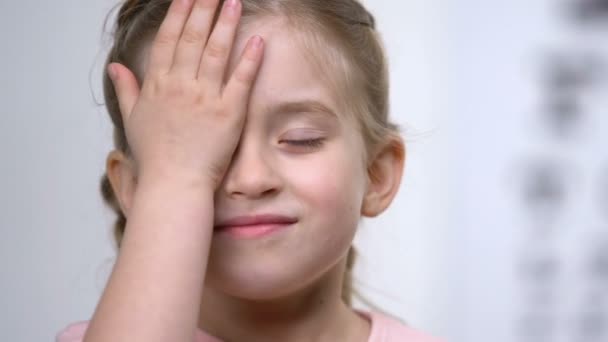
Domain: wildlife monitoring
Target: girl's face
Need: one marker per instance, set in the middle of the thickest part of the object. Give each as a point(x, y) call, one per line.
point(320, 183)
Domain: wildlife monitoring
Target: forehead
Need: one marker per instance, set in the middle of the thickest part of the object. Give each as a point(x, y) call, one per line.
point(286, 72)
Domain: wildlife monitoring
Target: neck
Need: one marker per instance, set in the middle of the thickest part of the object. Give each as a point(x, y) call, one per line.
point(315, 313)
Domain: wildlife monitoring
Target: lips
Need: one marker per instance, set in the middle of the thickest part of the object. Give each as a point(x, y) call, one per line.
point(256, 220)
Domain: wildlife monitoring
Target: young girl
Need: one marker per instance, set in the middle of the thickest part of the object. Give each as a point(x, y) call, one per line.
point(251, 137)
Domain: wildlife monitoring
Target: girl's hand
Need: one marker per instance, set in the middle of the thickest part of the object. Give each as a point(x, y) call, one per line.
point(183, 122)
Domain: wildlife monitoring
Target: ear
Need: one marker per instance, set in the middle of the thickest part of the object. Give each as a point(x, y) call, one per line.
point(384, 177)
point(121, 173)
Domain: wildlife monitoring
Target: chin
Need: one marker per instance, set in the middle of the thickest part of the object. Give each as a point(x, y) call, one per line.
point(253, 285)
point(261, 282)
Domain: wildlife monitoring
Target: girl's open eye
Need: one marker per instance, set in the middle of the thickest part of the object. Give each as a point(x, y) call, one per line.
point(309, 143)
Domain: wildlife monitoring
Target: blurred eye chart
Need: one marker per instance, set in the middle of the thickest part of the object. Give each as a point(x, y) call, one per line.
point(530, 108)
point(561, 263)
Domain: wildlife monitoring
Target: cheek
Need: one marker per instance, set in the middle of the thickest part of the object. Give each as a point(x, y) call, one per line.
point(330, 187)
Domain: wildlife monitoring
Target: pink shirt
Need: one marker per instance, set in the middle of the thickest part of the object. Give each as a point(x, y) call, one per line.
point(383, 329)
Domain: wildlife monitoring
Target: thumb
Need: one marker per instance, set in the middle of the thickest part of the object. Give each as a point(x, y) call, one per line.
point(125, 86)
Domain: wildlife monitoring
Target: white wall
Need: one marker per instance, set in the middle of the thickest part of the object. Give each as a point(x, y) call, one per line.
point(523, 241)
point(53, 139)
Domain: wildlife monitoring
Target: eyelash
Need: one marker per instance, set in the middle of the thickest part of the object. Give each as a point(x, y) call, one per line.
point(309, 143)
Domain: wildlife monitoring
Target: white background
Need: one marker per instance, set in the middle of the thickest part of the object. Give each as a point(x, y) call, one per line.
point(465, 85)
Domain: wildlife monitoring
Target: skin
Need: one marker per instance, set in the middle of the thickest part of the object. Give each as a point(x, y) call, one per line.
point(284, 286)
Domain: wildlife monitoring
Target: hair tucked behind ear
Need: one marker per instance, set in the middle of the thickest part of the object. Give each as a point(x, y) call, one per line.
point(341, 37)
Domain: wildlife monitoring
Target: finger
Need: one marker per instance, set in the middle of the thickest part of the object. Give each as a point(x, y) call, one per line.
point(239, 85)
point(165, 41)
point(215, 57)
point(125, 87)
point(190, 46)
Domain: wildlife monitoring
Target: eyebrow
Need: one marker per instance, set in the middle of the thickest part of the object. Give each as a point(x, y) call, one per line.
point(306, 106)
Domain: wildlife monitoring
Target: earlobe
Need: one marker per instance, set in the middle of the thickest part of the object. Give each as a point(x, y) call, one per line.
point(121, 173)
point(384, 174)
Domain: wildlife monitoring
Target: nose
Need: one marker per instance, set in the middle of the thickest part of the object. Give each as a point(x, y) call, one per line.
point(251, 174)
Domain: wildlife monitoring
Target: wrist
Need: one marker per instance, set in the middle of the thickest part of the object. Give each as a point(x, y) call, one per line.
point(176, 187)
point(180, 179)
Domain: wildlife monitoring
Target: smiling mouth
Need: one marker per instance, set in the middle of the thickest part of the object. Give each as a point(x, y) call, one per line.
point(252, 230)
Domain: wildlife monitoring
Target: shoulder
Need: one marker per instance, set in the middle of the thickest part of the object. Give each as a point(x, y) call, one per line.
point(74, 332)
point(385, 328)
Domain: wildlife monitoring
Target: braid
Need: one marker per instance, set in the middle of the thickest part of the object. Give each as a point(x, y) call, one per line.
point(111, 201)
point(347, 283)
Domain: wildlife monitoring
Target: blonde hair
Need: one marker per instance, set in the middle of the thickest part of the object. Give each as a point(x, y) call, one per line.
point(340, 35)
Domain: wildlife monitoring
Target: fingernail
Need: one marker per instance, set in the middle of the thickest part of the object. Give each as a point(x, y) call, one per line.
point(231, 4)
point(112, 72)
